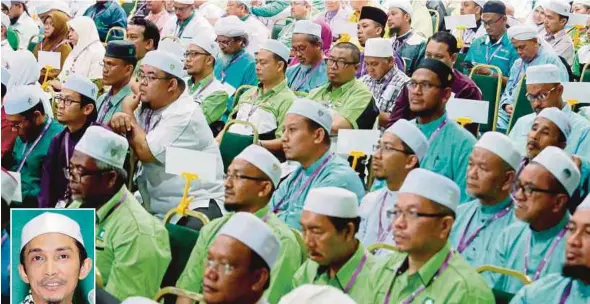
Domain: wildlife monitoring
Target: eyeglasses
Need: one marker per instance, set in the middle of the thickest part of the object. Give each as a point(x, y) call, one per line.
point(193, 54)
point(490, 23)
point(541, 96)
point(75, 174)
point(17, 125)
point(59, 99)
point(299, 49)
point(108, 65)
point(227, 268)
point(529, 190)
point(425, 85)
point(412, 214)
point(234, 176)
point(338, 63)
point(141, 78)
point(225, 42)
point(388, 149)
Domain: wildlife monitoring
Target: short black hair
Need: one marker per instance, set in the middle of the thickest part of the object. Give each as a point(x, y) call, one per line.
point(341, 223)
point(446, 38)
point(86, 101)
point(409, 151)
point(150, 29)
point(81, 254)
point(312, 125)
point(28, 114)
point(256, 262)
point(356, 53)
point(280, 59)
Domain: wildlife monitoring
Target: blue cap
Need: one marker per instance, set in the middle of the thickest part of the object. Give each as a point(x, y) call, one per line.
point(82, 86)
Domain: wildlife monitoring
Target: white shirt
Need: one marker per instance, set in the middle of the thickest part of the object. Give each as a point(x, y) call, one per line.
point(197, 26)
point(26, 28)
point(6, 52)
point(373, 211)
point(340, 24)
point(257, 34)
point(181, 124)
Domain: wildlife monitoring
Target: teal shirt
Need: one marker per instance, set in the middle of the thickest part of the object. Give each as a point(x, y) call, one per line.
point(238, 71)
point(270, 8)
point(32, 168)
point(501, 54)
point(510, 250)
point(336, 173)
point(475, 215)
point(107, 110)
point(549, 290)
point(306, 78)
point(107, 16)
point(448, 153)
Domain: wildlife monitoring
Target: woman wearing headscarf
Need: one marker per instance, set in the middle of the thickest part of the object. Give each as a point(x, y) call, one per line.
point(55, 40)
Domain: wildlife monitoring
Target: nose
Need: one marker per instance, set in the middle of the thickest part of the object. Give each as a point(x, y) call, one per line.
point(573, 239)
point(398, 223)
point(211, 273)
point(50, 268)
point(472, 172)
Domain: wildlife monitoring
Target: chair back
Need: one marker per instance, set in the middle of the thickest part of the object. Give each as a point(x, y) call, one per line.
point(491, 89)
point(522, 106)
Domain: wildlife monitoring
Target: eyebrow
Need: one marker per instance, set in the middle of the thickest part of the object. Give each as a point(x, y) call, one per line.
point(60, 249)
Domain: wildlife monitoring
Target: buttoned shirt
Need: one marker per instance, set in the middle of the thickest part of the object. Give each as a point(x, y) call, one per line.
point(387, 90)
point(562, 44)
point(107, 104)
point(551, 289)
point(375, 224)
point(211, 95)
point(305, 78)
point(500, 53)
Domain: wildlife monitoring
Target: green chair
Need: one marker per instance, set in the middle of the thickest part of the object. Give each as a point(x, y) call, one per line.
point(279, 26)
point(115, 37)
point(585, 76)
point(129, 8)
point(435, 19)
point(491, 89)
point(377, 246)
point(33, 41)
point(237, 94)
point(233, 144)
point(459, 63)
point(522, 106)
point(501, 296)
point(13, 38)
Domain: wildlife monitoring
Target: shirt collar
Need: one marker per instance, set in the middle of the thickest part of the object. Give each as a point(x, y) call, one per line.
point(279, 87)
point(430, 127)
point(245, 17)
point(201, 82)
point(123, 92)
point(388, 76)
point(342, 88)
point(317, 163)
point(567, 108)
point(486, 209)
point(502, 40)
point(262, 211)
point(550, 233)
point(428, 270)
point(347, 270)
point(103, 211)
point(556, 35)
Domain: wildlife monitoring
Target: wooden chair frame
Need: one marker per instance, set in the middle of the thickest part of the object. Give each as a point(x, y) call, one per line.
point(179, 293)
point(505, 271)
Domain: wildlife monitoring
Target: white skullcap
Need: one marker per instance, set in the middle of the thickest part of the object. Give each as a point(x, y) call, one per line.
point(584, 2)
point(316, 294)
point(522, 32)
point(561, 166)
point(481, 3)
point(191, 2)
point(173, 47)
point(502, 146)
point(559, 7)
point(207, 43)
point(5, 20)
point(585, 204)
point(5, 76)
point(82, 86)
point(111, 150)
point(404, 5)
point(230, 26)
point(277, 48)
point(9, 186)
point(544, 73)
point(559, 118)
point(312, 110)
point(7, 3)
point(50, 222)
point(22, 98)
point(138, 300)
point(263, 160)
point(378, 47)
point(435, 187)
point(332, 201)
point(411, 136)
point(165, 61)
point(307, 27)
point(254, 233)
point(46, 6)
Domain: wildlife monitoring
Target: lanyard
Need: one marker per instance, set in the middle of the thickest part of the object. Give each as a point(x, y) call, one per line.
point(28, 153)
point(414, 294)
point(488, 57)
point(435, 133)
point(355, 275)
point(105, 107)
point(463, 243)
point(310, 72)
point(148, 120)
point(566, 292)
point(258, 104)
point(53, 48)
point(229, 64)
point(381, 231)
point(545, 258)
point(202, 88)
point(307, 182)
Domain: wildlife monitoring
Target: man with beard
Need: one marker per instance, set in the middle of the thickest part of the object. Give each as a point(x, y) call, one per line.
point(251, 179)
point(22, 23)
point(573, 284)
point(258, 33)
point(132, 247)
point(406, 43)
point(186, 23)
point(311, 71)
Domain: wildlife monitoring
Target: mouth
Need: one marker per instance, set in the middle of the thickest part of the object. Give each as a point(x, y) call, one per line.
point(208, 288)
point(532, 145)
point(399, 237)
point(520, 206)
point(52, 286)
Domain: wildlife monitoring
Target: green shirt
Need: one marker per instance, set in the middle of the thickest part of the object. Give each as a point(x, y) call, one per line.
point(106, 111)
point(132, 247)
point(214, 104)
point(33, 165)
point(289, 258)
point(458, 283)
point(349, 101)
point(368, 287)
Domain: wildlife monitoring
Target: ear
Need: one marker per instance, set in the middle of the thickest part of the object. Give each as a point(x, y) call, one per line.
point(509, 178)
point(210, 60)
point(559, 89)
point(454, 57)
point(172, 85)
point(349, 233)
point(266, 190)
point(261, 276)
point(446, 225)
point(446, 96)
point(87, 109)
point(85, 269)
point(112, 180)
point(379, 31)
point(319, 135)
point(411, 162)
point(150, 44)
point(561, 202)
point(22, 273)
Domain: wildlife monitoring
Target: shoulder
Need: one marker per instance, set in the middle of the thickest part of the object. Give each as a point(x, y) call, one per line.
point(369, 201)
point(317, 91)
point(416, 39)
point(460, 135)
point(55, 127)
point(466, 207)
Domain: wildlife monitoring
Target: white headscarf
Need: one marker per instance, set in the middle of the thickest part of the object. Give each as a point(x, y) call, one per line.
point(87, 54)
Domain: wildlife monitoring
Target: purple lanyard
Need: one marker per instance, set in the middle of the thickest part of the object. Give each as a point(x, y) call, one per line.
point(545, 258)
point(229, 64)
point(463, 243)
point(307, 76)
point(307, 182)
point(148, 121)
point(356, 273)
point(105, 108)
point(382, 232)
point(5, 236)
point(435, 133)
point(67, 139)
point(411, 298)
point(26, 155)
point(566, 292)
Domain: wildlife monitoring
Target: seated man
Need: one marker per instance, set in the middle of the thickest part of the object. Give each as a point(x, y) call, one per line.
point(535, 244)
point(468, 35)
point(186, 23)
point(300, 10)
point(306, 140)
point(248, 250)
point(107, 14)
point(265, 106)
point(133, 250)
point(258, 33)
point(490, 174)
point(556, 17)
point(428, 270)
point(572, 285)
point(351, 102)
point(250, 181)
point(311, 72)
point(406, 43)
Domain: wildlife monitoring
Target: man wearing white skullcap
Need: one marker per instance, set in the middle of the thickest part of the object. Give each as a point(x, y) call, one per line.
point(206, 90)
point(572, 285)
point(25, 113)
point(330, 221)
point(167, 117)
point(556, 17)
point(581, 7)
point(45, 240)
point(257, 32)
point(532, 53)
point(266, 105)
point(535, 244)
point(251, 179)
point(407, 43)
point(400, 150)
point(300, 11)
point(187, 23)
point(491, 172)
point(422, 220)
point(475, 8)
point(22, 23)
point(306, 140)
point(316, 294)
point(97, 180)
point(247, 249)
point(385, 80)
point(311, 70)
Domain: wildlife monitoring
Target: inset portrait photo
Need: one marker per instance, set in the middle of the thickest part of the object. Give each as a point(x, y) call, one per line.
point(52, 256)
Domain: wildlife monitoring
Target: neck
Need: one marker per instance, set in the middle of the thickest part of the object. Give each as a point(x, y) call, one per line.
point(496, 37)
point(316, 154)
point(430, 117)
point(335, 267)
point(492, 201)
point(418, 259)
point(67, 300)
point(268, 85)
point(252, 207)
point(36, 131)
point(116, 87)
point(101, 200)
point(76, 125)
point(545, 223)
point(202, 75)
point(403, 30)
point(157, 10)
point(338, 85)
point(395, 182)
point(165, 103)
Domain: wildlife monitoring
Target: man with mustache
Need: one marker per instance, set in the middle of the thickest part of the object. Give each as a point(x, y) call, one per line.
point(573, 284)
point(186, 23)
point(53, 258)
point(535, 244)
point(491, 171)
point(250, 181)
point(556, 18)
point(408, 44)
point(400, 150)
point(312, 71)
